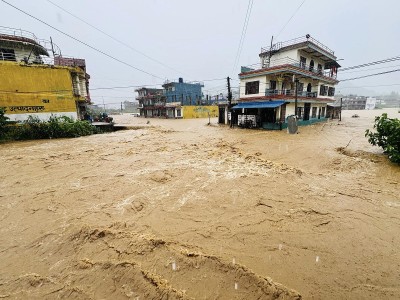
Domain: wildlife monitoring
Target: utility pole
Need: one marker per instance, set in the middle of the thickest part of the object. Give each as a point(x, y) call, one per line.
point(52, 47)
point(230, 99)
point(295, 96)
point(340, 114)
point(121, 108)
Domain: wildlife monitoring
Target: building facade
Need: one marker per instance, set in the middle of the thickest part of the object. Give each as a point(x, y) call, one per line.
point(151, 102)
point(177, 99)
point(187, 93)
point(34, 84)
point(296, 77)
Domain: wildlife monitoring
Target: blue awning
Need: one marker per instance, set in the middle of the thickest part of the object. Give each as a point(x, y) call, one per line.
point(264, 104)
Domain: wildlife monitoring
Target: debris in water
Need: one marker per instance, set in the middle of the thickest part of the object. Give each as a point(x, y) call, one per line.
point(280, 247)
point(174, 266)
point(317, 259)
point(236, 286)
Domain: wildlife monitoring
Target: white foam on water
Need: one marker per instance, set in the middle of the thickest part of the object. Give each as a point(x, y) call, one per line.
point(280, 246)
point(236, 286)
point(233, 261)
point(174, 266)
point(317, 259)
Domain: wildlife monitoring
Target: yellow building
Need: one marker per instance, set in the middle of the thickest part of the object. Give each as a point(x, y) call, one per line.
point(33, 84)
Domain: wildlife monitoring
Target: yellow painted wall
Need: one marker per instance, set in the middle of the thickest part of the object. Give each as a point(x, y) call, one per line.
point(36, 88)
point(192, 112)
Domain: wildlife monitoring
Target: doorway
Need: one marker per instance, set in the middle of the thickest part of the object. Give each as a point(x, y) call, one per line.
point(307, 107)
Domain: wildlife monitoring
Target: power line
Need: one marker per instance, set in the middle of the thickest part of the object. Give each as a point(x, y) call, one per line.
point(242, 36)
point(370, 75)
point(83, 43)
point(113, 38)
point(347, 72)
point(372, 63)
point(367, 86)
point(291, 17)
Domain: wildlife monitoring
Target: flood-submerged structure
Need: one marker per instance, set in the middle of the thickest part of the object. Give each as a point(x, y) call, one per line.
point(295, 77)
point(36, 80)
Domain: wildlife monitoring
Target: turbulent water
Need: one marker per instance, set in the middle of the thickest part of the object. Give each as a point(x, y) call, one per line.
point(178, 209)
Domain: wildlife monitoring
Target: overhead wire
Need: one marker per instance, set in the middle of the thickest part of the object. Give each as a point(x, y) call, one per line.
point(243, 34)
point(367, 70)
point(284, 26)
point(114, 39)
point(368, 86)
point(371, 63)
point(370, 75)
point(81, 42)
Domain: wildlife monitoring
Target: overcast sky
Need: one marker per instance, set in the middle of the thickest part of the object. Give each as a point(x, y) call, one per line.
point(198, 40)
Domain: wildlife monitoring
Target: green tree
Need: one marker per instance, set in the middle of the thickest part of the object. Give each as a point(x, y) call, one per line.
point(387, 136)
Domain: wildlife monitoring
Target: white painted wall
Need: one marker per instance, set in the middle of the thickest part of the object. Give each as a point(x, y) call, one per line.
point(261, 90)
point(41, 116)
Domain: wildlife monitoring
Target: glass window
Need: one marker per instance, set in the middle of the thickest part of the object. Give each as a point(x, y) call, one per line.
point(252, 87)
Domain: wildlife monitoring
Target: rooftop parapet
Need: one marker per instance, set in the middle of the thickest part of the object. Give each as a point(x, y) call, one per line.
point(297, 42)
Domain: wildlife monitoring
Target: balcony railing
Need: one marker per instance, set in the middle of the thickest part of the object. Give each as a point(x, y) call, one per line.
point(295, 63)
point(295, 41)
point(291, 93)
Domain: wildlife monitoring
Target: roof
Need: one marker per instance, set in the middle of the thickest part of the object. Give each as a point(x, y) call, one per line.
point(263, 104)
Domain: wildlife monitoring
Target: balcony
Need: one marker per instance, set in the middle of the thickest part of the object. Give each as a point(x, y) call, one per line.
point(289, 62)
point(290, 93)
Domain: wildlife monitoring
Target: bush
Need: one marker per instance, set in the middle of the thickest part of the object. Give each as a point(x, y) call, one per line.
point(3, 123)
point(56, 127)
point(387, 136)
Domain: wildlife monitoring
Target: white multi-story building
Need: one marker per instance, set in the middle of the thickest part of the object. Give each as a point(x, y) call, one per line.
point(268, 91)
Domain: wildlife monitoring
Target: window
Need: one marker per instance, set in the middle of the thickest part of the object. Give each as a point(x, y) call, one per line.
point(178, 113)
point(323, 112)
point(300, 112)
point(303, 62)
point(314, 112)
point(7, 54)
point(331, 91)
point(323, 90)
point(252, 87)
point(319, 69)
point(272, 85)
point(311, 66)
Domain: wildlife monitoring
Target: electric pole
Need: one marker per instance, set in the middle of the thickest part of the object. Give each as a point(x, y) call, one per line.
point(230, 99)
point(295, 96)
point(340, 114)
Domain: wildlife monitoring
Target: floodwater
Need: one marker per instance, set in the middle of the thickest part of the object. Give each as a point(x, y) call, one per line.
point(178, 209)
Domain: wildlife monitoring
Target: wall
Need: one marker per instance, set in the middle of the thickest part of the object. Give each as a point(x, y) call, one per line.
point(36, 89)
point(191, 93)
point(193, 112)
point(262, 86)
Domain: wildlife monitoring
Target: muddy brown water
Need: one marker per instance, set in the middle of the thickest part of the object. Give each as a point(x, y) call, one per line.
point(178, 209)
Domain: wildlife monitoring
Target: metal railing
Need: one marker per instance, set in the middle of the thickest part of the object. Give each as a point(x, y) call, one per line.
point(188, 82)
point(292, 93)
point(295, 63)
point(295, 41)
point(14, 32)
point(25, 36)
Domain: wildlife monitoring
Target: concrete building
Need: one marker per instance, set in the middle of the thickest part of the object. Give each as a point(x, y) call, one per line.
point(303, 67)
point(151, 102)
point(370, 103)
point(33, 83)
point(177, 99)
point(354, 102)
point(187, 93)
